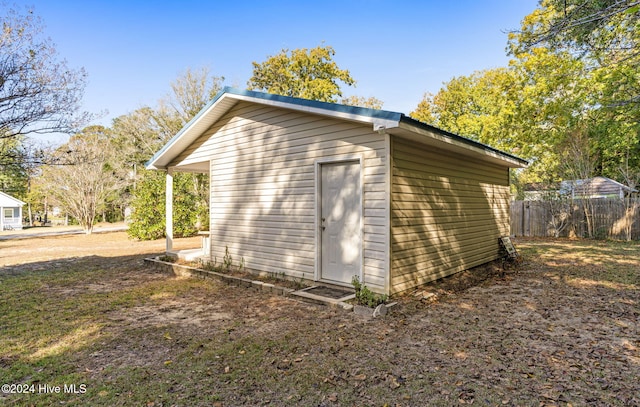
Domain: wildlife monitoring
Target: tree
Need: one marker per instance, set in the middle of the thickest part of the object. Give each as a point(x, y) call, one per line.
point(147, 221)
point(560, 209)
point(140, 134)
point(601, 91)
point(551, 98)
point(528, 108)
point(20, 165)
point(304, 73)
point(190, 92)
point(36, 198)
point(13, 173)
point(577, 165)
point(606, 33)
point(371, 102)
point(486, 106)
point(475, 106)
point(594, 28)
point(629, 170)
point(137, 136)
point(85, 175)
point(38, 92)
point(566, 101)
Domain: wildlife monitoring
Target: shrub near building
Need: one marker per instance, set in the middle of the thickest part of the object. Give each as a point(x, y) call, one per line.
point(147, 220)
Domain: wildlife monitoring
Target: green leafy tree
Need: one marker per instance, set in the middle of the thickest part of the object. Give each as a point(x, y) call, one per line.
point(13, 169)
point(484, 106)
point(304, 73)
point(475, 106)
point(21, 161)
point(148, 221)
point(36, 199)
point(534, 106)
point(604, 33)
point(601, 93)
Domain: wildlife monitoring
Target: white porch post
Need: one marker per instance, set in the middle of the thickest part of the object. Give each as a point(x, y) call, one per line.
point(169, 209)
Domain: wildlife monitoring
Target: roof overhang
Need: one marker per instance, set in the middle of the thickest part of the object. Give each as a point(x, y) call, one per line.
point(381, 120)
point(422, 133)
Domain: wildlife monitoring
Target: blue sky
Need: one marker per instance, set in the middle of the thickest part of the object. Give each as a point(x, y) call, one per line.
point(396, 50)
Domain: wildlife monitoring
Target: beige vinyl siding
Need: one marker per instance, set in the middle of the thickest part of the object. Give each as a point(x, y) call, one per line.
point(263, 187)
point(447, 213)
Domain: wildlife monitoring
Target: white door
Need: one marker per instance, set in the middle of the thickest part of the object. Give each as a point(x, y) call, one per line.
point(340, 220)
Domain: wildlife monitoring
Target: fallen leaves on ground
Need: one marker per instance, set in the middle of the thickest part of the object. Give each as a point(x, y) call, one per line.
point(561, 330)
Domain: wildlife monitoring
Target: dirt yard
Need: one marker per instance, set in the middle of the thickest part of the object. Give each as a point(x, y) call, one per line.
point(82, 315)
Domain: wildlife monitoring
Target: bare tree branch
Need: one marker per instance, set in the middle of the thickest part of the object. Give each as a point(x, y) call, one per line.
point(38, 92)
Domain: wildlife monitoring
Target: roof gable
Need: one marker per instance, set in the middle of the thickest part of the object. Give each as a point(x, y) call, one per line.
point(596, 185)
point(7, 200)
point(381, 121)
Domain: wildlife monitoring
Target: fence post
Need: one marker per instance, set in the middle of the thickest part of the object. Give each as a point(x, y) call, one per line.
point(526, 218)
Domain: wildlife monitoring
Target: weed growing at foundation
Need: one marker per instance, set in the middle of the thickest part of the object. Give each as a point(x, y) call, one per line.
point(226, 266)
point(366, 297)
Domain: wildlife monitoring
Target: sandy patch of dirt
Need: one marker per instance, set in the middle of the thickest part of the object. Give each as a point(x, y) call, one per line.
point(93, 251)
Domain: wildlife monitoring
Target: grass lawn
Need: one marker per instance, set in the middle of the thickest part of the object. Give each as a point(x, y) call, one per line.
point(83, 314)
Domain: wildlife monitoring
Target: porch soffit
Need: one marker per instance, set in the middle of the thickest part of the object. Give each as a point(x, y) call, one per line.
point(200, 167)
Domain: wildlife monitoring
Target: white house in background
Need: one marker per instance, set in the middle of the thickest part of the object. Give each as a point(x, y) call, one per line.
point(10, 212)
point(325, 192)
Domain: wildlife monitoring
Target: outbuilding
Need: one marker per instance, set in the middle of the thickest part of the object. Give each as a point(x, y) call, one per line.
point(11, 211)
point(324, 192)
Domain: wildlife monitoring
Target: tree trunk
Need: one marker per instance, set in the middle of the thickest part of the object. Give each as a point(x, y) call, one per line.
point(46, 212)
point(588, 208)
point(30, 215)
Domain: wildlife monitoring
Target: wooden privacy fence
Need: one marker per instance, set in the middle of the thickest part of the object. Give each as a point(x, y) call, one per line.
point(607, 218)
